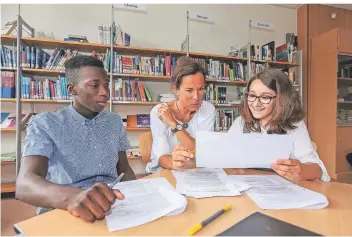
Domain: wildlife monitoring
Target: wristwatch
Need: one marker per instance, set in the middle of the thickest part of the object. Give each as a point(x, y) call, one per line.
point(178, 127)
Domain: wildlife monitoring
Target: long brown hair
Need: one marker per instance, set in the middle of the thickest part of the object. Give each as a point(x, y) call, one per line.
point(287, 109)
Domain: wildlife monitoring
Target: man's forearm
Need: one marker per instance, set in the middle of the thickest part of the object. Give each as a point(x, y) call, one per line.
point(35, 190)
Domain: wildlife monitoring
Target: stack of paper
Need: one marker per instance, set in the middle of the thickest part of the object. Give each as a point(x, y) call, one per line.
point(275, 192)
point(145, 200)
point(203, 182)
point(239, 185)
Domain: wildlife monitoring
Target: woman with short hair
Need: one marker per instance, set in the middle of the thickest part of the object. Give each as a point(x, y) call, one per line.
point(174, 124)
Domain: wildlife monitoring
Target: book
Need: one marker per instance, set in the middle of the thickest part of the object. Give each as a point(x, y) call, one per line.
point(259, 224)
point(143, 120)
point(10, 156)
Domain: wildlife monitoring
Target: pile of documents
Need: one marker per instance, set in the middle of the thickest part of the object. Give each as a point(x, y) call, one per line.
point(204, 182)
point(275, 192)
point(267, 191)
point(145, 200)
point(149, 199)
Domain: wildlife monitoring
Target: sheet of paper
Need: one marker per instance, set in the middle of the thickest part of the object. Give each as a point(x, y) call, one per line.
point(231, 150)
point(145, 200)
point(239, 185)
point(131, 188)
point(275, 192)
point(201, 183)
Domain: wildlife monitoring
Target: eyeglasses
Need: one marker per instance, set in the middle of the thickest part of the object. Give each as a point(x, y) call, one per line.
point(264, 99)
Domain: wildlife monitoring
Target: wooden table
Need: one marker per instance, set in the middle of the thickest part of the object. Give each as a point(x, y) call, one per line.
point(333, 220)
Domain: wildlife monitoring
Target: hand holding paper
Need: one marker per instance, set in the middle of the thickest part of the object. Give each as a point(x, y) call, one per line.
point(180, 157)
point(288, 168)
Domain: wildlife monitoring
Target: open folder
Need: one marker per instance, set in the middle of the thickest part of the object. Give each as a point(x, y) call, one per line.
point(232, 150)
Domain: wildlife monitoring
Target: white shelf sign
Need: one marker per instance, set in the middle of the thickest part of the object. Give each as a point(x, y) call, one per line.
point(262, 25)
point(200, 17)
point(135, 7)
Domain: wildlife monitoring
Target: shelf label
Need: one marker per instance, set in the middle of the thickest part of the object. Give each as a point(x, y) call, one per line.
point(200, 17)
point(135, 7)
point(262, 25)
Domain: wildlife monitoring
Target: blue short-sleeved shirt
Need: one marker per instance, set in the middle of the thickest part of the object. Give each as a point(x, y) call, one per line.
point(80, 152)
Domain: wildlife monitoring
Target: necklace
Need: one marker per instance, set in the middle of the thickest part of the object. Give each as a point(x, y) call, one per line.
point(185, 125)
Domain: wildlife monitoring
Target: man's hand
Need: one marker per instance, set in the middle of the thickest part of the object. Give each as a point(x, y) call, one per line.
point(92, 204)
point(165, 115)
point(291, 169)
point(180, 157)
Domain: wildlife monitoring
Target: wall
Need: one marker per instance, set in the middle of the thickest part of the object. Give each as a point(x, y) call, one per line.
point(162, 26)
point(313, 20)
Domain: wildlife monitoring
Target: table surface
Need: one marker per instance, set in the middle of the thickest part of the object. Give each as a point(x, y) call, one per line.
point(332, 220)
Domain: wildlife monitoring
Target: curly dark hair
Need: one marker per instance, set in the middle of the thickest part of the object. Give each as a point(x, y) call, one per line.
point(74, 64)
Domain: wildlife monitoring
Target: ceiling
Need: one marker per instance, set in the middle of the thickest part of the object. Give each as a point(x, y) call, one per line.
point(296, 6)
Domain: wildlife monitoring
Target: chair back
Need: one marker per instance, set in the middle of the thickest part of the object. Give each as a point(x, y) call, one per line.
point(145, 146)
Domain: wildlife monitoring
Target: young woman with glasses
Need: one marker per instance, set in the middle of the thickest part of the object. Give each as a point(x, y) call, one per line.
point(271, 105)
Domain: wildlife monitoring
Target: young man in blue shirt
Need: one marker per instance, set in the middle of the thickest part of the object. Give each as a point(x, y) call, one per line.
point(72, 154)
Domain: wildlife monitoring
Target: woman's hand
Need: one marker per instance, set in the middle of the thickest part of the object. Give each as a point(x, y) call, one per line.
point(180, 157)
point(291, 169)
point(165, 115)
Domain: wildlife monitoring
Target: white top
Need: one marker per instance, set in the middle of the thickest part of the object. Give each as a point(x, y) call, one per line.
point(302, 149)
point(164, 140)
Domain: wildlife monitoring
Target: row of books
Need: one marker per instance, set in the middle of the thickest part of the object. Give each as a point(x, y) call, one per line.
point(32, 57)
point(225, 71)
point(8, 120)
point(130, 90)
point(122, 90)
point(8, 57)
point(47, 89)
point(7, 85)
point(224, 119)
point(268, 52)
point(126, 64)
point(257, 68)
point(215, 94)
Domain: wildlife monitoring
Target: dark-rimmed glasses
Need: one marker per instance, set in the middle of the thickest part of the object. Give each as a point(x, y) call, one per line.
point(264, 99)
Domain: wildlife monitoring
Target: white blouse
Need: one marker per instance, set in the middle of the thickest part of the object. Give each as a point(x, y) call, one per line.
point(164, 140)
point(302, 149)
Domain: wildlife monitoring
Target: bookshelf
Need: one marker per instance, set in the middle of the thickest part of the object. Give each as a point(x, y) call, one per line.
point(100, 48)
point(8, 187)
point(8, 162)
point(7, 129)
point(330, 107)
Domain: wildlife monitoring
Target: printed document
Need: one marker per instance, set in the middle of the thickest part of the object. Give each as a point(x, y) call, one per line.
point(275, 192)
point(203, 182)
point(145, 200)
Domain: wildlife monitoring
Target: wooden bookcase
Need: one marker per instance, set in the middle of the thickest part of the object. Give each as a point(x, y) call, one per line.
point(334, 139)
point(89, 47)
